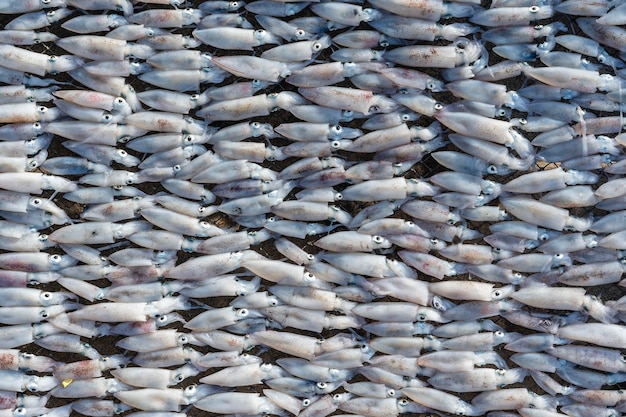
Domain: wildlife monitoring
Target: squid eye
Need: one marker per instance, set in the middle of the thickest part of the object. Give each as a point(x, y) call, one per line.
point(438, 106)
point(176, 168)
point(558, 256)
point(335, 144)
point(533, 9)
point(317, 46)
point(337, 128)
point(183, 339)
point(162, 319)
point(377, 239)
point(243, 312)
point(384, 43)
point(120, 100)
point(45, 1)
point(300, 33)
point(491, 169)
point(497, 294)
point(190, 390)
point(44, 314)
point(42, 109)
point(122, 153)
point(405, 117)
point(106, 117)
point(403, 402)
point(501, 113)
point(499, 333)
point(179, 378)
point(255, 125)
point(46, 295)
point(322, 385)
point(337, 397)
point(306, 402)
point(434, 241)
point(391, 393)
point(338, 197)
point(37, 202)
point(55, 259)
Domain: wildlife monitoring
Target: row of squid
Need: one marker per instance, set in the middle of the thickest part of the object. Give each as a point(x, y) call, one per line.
point(312, 208)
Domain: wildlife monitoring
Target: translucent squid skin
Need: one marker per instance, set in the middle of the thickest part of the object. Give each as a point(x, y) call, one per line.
point(97, 232)
point(244, 375)
point(544, 215)
point(154, 377)
point(13, 297)
point(90, 368)
point(602, 359)
point(342, 98)
point(125, 312)
point(13, 359)
point(477, 379)
point(510, 399)
point(162, 18)
point(238, 402)
point(435, 56)
point(249, 107)
point(211, 265)
point(21, 334)
point(587, 331)
point(442, 401)
point(169, 399)
point(18, 381)
point(100, 48)
point(609, 35)
point(572, 299)
point(96, 406)
point(235, 38)
point(91, 24)
point(35, 262)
